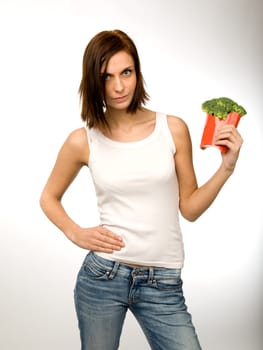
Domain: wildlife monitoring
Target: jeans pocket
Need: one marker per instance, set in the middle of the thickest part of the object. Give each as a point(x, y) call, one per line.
point(95, 271)
point(169, 284)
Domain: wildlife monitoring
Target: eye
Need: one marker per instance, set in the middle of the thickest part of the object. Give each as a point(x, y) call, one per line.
point(105, 76)
point(127, 72)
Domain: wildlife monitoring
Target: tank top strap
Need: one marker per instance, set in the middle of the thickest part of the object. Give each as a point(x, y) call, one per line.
point(162, 123)
point(91, 139)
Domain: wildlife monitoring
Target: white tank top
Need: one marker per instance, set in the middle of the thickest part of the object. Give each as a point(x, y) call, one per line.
point(137, 194)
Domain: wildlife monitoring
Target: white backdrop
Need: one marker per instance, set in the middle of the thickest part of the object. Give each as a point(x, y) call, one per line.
point(190, 51)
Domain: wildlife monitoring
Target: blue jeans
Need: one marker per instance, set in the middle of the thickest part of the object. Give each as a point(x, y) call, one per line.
point(105, 290)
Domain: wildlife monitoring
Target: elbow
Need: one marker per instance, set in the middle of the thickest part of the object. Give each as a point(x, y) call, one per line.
point(189, 214)
point(42, 202)
point(47, 201)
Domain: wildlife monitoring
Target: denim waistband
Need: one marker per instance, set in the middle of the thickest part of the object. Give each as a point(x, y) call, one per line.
point(114, 267)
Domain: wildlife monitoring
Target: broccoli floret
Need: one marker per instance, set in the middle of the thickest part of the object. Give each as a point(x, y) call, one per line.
point(221, 107)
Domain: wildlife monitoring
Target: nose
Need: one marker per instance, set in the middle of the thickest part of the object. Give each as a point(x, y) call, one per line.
point(118, 84)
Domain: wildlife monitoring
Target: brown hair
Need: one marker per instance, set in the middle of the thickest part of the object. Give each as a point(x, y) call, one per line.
point(92, 87)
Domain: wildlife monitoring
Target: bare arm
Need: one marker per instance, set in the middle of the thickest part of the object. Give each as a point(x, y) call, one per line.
point(73, 154)
point(195, 200)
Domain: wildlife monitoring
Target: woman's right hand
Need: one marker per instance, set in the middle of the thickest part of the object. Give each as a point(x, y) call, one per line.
point(97, 238)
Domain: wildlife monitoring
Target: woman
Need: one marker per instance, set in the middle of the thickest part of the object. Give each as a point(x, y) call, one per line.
point(142, 169)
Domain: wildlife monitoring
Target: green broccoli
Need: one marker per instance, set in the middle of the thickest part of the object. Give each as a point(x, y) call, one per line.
point(221, 107)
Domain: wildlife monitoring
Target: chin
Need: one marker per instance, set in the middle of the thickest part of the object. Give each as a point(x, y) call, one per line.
point(119, 107)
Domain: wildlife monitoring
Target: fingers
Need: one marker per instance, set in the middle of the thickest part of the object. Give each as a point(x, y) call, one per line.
point(107, 233)
point(228, 136)
point(107, 240)
point(98, 239)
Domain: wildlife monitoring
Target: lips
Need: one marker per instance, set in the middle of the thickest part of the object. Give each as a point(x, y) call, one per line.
point(120, 99)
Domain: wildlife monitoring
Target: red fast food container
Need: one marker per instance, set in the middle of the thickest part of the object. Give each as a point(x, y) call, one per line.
point(212, 123)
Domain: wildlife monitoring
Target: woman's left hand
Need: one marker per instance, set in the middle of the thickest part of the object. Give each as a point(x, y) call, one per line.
point(228, 135)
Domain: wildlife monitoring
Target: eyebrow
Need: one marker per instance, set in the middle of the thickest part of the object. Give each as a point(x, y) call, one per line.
point(127, 68)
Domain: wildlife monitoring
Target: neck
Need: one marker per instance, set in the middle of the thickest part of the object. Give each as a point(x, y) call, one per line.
point(119, 118)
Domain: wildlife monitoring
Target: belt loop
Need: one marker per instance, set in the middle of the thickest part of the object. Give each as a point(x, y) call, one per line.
point(114, 270)
point(151, 275)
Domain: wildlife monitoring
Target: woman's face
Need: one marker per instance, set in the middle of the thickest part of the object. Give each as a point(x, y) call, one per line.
point(120, 81)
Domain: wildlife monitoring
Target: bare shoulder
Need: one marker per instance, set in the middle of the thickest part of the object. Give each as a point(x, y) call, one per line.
point(183, 156)
point(178, 127)
point(77, 143)
point(77, 138)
